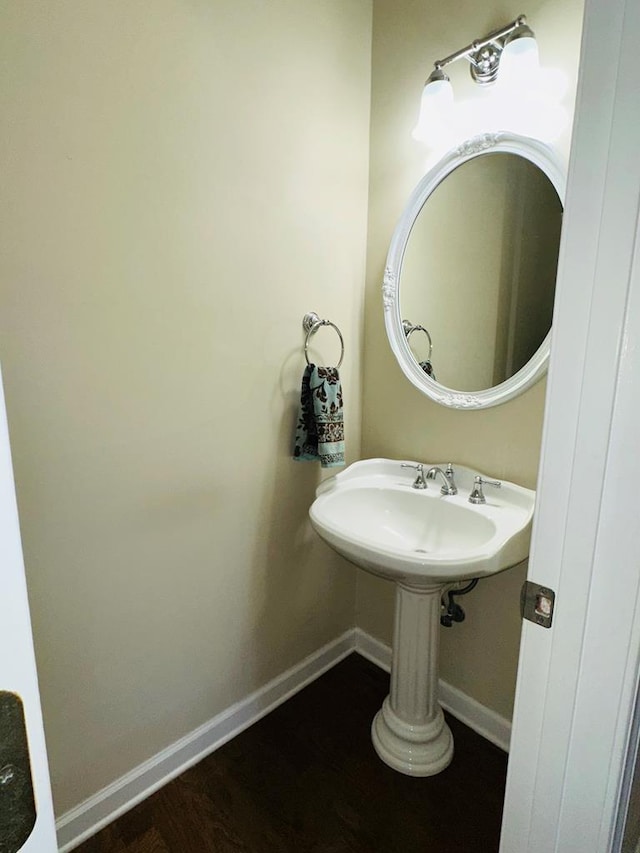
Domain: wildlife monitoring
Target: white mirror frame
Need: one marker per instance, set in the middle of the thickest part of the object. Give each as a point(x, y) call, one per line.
point(550, 163)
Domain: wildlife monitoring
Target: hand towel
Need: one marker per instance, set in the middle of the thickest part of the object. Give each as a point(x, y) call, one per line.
point(320, 425)
point(428, 369)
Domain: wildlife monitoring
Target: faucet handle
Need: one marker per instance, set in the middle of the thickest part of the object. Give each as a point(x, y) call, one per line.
point(477, 495)
point(419, 482)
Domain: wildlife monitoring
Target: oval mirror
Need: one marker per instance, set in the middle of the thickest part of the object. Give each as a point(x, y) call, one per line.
point(470, 279)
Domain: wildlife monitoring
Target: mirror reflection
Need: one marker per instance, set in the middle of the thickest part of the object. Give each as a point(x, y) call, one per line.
point(477, 282)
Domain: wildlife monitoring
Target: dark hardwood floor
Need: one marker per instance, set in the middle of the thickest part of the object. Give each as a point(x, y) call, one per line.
point(305, 779)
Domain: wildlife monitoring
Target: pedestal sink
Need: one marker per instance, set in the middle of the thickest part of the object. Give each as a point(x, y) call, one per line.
point(424, 541)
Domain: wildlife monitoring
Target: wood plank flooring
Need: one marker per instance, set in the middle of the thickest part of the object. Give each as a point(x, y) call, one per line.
point(305, 779)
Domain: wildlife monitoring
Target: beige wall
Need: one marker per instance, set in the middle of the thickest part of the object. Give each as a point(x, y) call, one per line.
point(182, 181)
point(480, 655)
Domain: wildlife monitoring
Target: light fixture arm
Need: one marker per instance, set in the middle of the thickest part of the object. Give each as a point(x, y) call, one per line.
point(478, 44)
point(484, 54)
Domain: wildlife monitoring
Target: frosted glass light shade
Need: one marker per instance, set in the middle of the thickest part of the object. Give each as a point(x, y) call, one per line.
point(436, 102)
point(519, 61)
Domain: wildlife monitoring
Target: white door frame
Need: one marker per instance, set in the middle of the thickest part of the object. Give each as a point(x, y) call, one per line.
point(17, 661)
point(577, 680)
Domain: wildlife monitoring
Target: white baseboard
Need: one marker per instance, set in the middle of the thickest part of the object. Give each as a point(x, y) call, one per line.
point(478, 717)
point(374, 650)
point(83, 821)
point(90, 816)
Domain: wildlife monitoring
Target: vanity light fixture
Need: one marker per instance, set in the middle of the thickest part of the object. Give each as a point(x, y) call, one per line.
point(513, 45)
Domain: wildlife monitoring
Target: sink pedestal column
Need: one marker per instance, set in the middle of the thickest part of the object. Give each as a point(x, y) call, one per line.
point(409, 732)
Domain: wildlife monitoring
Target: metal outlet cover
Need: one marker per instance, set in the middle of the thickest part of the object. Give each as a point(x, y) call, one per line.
point(537, 603)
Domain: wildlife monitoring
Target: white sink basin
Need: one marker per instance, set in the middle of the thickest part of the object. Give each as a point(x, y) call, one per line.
point(371, 515)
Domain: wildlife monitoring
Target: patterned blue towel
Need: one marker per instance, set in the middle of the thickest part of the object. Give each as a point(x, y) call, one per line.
point(320, 426)
point(428, 369)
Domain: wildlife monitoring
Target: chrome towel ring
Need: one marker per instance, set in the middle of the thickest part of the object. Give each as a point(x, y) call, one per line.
point(409, 329)
point(311, 322)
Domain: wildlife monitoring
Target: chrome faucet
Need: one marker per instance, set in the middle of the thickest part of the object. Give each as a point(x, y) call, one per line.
point(419, 482)
point(448, 484)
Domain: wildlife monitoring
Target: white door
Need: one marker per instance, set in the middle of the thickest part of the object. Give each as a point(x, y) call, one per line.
point(577, 680)
point(26, 812)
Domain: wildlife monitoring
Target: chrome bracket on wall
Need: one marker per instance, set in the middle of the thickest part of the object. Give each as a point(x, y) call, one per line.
point(537, 603)
point(17, 801)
